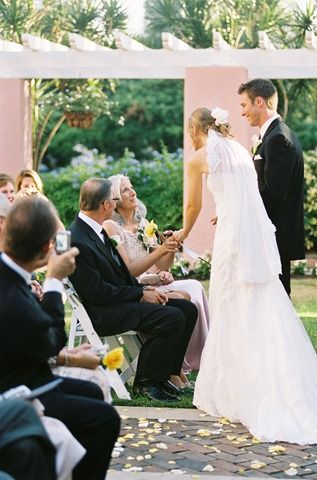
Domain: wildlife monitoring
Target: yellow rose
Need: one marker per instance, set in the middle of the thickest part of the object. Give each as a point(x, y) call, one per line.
point(113, 359)
point(150, 229)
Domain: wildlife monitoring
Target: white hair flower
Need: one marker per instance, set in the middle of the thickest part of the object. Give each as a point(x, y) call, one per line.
point(221, 116)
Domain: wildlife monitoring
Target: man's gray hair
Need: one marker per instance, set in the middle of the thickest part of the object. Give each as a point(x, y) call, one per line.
point(93, 192)
point(5, 205)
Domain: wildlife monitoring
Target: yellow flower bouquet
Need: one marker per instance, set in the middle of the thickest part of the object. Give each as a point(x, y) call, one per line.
point(113, 359)
point(147, 235)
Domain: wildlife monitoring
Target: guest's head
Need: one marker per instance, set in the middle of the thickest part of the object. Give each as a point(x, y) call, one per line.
point(5, 206)
point(29, 180)
point(258, 100)
point(7, 186)
point(127, 202)
point(30, 230)
point(96, 199)
point(201, 121)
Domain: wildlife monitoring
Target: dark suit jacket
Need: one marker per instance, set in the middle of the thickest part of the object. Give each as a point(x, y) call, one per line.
point(280, 174)
point(31, 332)
point(110, 294)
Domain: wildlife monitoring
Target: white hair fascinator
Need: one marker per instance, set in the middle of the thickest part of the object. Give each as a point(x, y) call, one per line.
point(221, 116)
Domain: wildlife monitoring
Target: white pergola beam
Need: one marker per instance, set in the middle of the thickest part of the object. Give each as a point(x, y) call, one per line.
point(124, 42)
point(170, 42)
point(264, 41)
point(39, 44)
point(219, 43)
point(311, 40)
point(6, 46)
point(83, 44)
point(158, 63)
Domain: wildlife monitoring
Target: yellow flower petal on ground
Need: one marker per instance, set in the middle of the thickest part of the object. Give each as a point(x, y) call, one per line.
point(255, 440)
point(171, 462)
point(113, 359)
point(257, 464)
point(153, 450)
point(294, 465)
point(276, 449)
point(203, 432)
point(231, 437)
point(143, 442)
point(224, 421)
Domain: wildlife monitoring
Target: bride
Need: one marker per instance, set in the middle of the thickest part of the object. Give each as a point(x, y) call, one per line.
point(258, 365)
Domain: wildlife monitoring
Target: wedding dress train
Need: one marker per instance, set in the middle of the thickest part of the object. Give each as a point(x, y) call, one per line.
point(258, 366)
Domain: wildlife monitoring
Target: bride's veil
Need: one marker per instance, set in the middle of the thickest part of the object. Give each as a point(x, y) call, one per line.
point(250, 231)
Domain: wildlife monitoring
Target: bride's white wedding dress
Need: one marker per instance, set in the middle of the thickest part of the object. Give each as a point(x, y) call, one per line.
point(258, 366)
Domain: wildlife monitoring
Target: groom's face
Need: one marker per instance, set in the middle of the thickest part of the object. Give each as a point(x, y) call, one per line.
point(250, 109)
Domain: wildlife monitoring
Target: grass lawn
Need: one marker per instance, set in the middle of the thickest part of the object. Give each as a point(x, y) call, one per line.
point(304, 298)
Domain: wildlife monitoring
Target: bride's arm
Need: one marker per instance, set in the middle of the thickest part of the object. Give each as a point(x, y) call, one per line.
point(196, 167)
point(137, 267)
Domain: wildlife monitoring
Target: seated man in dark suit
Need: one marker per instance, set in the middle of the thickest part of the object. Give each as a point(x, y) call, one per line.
point(117, 303)
point(31, 332)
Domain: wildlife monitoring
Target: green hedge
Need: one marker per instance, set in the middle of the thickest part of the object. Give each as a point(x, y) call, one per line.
point(311, 200)
point(158, 180)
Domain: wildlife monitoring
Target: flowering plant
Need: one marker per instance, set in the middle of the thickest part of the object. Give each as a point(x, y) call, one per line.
point(221, 116)
point(113, 359)
point(256, 142)
point(147, 235)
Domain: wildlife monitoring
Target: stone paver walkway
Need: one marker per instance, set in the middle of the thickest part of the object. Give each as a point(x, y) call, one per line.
point(157, 443)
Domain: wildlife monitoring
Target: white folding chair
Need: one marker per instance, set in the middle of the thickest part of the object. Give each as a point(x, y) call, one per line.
point(81, 326)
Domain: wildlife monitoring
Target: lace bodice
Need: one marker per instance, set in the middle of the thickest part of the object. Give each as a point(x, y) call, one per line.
point(133, 246)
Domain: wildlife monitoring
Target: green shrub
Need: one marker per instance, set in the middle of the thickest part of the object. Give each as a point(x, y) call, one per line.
point(311, 200)
point(158, 180)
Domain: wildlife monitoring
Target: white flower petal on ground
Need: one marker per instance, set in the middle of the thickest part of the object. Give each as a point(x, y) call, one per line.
point(208, 468)
point(291, 472)
point(161, 446)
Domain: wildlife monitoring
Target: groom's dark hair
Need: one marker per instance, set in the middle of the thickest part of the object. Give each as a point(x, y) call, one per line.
point(261, 87)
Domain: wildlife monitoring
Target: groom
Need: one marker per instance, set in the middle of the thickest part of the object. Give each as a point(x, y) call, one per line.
point(279, 164)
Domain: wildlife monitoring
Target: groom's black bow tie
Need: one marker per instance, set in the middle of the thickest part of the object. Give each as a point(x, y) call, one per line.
point(111, 247)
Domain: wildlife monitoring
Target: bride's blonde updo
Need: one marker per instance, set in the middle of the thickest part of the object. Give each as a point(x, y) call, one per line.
point(201, 119)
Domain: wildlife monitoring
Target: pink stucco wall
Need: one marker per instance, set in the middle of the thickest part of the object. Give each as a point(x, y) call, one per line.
point(15, 126)
point(212, 87)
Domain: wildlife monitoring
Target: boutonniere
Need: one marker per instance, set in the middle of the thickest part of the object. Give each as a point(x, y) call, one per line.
point(256, 142)
point(115, 240)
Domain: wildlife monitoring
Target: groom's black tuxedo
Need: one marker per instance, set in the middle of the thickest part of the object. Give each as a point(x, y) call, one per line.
point(280, 170)
point(112, 297)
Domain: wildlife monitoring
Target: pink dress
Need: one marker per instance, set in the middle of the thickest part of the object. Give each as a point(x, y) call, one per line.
point(135, 250)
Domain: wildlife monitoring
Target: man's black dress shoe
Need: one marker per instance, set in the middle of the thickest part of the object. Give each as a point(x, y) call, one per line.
point(155, 392)
point(170, 388)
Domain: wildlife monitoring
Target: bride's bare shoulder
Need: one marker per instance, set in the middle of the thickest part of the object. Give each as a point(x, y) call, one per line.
point(198, 159)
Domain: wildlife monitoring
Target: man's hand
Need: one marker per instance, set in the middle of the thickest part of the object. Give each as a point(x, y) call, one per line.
point(37, 289)
point(60, 266)
point(153, 296)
